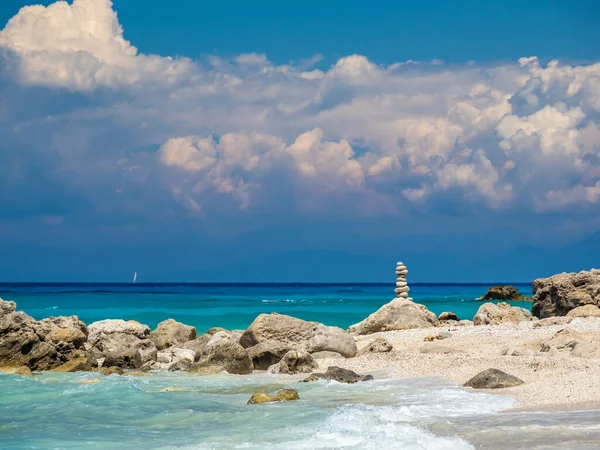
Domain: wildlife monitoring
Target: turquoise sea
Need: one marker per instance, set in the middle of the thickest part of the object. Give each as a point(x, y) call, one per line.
point(55, 411)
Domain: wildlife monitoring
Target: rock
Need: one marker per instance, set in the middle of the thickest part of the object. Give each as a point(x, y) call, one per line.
point(223, 355)
point(23, 371)
point(7, 307)
point(503, 292)
point(402, 295)
point(584, 311)
point(285, 395)
point(501, 314)
point(198, 344)
point(326, 355)
point(338, 374)
point(299, 334)
point(379, 345)
point(108, 371)
point(331, 339)
point(120, 343)
point(549, 321)
point(174, 359)
point(294, 362)
point(399, 314)
point(561, 293)
point(437, 337)
point(446, 316)
point(80, 364)
point(171, 333)
point(493, 379)
point(571, 343)
point(401, 290)
point(267, 353)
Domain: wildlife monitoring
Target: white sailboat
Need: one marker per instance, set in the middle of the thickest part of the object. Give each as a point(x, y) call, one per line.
point(134, 276)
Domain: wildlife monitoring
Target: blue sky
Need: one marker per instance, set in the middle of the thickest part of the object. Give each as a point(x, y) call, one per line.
point(267, 142)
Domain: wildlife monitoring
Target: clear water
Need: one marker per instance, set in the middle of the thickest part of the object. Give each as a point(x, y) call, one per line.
point(235, 306)
point(53, 411)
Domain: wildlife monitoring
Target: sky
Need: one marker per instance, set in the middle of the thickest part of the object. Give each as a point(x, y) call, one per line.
point(259, 141)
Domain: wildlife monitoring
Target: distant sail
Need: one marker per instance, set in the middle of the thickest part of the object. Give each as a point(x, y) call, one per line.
point(134, 276)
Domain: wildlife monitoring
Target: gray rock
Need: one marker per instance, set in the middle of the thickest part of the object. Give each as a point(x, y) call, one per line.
point(493, 379)
point(198, 344)
point(121, 344)
point(338, 374)
point(224, 355)
point(379, 345)
point(399, 314)
point(172, 333)
point(294, 362)
point(561, 293)
point(331, 339)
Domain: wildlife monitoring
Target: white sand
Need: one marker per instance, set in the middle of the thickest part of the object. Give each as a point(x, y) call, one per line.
point(552, 382)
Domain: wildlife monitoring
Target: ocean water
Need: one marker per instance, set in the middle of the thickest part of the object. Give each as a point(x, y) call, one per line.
point(234, 306)
point(54, 411)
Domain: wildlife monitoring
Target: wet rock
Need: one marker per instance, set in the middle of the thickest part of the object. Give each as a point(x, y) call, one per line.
point(285, 395)
point(379, 345)
point(171, 333)
point(24, 371)
point(223, 355)
point(295, 361)
point(108, 371)
point(338, 374)
point(399, 314)
point(501, 314)
point(503, 292)
point(493, 379)
point(561, 293)
point(79, 364)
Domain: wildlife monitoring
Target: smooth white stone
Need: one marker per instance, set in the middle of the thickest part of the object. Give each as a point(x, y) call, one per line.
point(400, 267)
point(399, 263)
point(401, 289)
point(402, 295)
point(402, 272)
point(401, 283)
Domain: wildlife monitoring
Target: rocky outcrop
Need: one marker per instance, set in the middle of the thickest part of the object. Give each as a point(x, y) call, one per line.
point(174, 359)
point(298, 334)
point(584, 311)
point(115, 342)
point(285, 395)
point(399, 314)
point(223, 355)
point(493, 379)
point(198, 344)
point(295, 362)
point(503, 292)
point(171, 333)
point(267, 353)
point(42, 345)
point(379, 345)
point(561, 293)
point(338, 374)
point(501, 314)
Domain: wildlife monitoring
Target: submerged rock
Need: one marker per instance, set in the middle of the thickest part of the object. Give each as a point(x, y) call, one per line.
point(501, 314)
point(399, 314)
point(561, 293)
point(493, 379)
point(24, 371)
point(171, 333)
point(285, 395)
point(503, 292)
point(295, 362)
point(338, 374)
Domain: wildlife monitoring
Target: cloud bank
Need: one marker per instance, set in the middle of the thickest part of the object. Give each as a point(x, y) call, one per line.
point(109, 128)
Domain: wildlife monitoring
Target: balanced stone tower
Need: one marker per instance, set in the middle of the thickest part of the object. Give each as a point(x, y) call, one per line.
point(401, 284)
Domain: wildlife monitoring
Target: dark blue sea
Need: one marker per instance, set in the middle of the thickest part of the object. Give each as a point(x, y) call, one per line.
point(234, 306)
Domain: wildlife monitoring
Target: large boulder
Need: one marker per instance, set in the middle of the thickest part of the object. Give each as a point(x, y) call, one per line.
point(338, 374)
point(399, 314)
point(503, 292)
point(493, 379)
point(295, 362)
point(223, 355)
point(198, 344)
point(115, 342)
point(559, 294)
point(267, 353)
point(41, 345)
point(584, 311)
point(171, 333)
point(173, 359)
point(298, 334)
point(501, 314)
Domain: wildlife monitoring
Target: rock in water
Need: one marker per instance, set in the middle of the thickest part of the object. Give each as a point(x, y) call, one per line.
point(295, 362)
point(223, 355)
point(261, 397)
point(379, 345)
point(284, 395)
point(501, 314)
point(503, 292)
point(338, 374)
point(559, 294)
point(399, 314)
point(171, 333)
point(120, 343)
point(493, 379)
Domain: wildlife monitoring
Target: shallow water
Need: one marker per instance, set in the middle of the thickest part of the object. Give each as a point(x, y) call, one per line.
point(53, 411)
point(234, 306)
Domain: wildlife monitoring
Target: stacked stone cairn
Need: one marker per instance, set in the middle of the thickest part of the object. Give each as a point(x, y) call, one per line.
point(401, 284)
